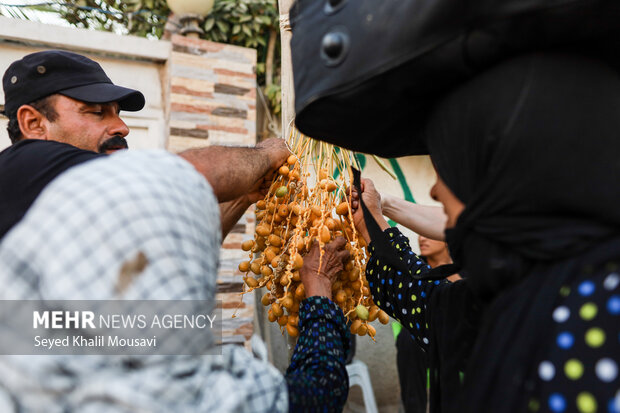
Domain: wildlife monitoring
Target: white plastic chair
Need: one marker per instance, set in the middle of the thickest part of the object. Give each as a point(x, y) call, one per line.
point(259, 349)
point(358, 375)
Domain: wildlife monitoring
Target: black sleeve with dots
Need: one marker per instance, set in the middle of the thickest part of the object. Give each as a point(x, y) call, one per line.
point(317, 378)
point(442, 316)
point(400, 295)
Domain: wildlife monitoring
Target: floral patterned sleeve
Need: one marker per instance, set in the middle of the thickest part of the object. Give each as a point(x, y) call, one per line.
point(317, 378)
point(400, 295)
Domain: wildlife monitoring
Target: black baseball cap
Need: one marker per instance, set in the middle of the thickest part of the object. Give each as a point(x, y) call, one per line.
point(41, 74)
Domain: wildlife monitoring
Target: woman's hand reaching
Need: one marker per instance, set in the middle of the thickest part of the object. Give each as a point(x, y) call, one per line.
point(372, 199)
point(318, 281)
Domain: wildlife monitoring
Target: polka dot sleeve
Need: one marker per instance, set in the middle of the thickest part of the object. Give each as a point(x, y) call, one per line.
point(400, 295)
point(579, 370)
point(317, 378)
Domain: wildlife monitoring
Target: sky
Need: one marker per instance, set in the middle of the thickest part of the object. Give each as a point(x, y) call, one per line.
point(49, 18)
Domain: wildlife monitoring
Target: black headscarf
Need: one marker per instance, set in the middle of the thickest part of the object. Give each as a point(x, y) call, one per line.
point(532, 148)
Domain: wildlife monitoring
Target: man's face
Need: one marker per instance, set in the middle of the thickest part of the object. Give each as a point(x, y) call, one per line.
point(93, 126)
point(429, 247)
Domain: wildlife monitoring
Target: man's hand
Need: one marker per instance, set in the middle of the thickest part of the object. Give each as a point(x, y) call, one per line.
point(318, 281)
point(276, 150)
point(231, 212)
point(261, 187)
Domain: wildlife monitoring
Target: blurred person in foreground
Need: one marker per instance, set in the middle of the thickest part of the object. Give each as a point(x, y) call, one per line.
point(73, 244)
point(72, 218)
point(534, 323)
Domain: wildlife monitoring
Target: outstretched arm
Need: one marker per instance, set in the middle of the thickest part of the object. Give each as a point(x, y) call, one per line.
point(231, 212)
point(235, 171)
point(426, 220)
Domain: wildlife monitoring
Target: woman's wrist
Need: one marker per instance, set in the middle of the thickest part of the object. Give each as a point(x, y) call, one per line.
point(319, 289)
point(316, 285)
point(383, 224)
point(380, 220)
point(320, 292)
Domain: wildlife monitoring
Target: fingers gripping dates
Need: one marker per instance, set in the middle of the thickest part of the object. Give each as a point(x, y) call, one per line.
point(327, 262)
point(304, 231)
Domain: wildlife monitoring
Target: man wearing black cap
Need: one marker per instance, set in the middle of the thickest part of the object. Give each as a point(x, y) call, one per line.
point(42, 85)
point(63, 110)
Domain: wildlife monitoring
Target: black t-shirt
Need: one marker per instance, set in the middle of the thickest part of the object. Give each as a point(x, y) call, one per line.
point(26, 168)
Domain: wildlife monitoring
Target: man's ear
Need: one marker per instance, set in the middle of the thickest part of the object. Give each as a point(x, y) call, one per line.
point(32, 123)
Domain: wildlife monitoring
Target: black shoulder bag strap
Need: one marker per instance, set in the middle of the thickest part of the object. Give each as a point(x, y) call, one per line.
point(385, 251)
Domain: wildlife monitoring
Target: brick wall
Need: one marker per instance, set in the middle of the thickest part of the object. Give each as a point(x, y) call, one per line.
point(212, 101)
point(212, 94)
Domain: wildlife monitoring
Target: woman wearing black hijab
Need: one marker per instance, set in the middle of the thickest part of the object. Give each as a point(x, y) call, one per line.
point(528, 162)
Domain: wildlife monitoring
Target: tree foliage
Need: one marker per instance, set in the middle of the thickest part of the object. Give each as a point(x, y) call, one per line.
point(144, 18)
point(248, 23)
point(24, 13)
point(243, 22)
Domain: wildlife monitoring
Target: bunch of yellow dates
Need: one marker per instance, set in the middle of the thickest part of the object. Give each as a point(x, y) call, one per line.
point(290, 218)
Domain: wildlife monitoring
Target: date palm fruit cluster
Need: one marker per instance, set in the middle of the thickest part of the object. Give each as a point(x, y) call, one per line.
point(307, 204)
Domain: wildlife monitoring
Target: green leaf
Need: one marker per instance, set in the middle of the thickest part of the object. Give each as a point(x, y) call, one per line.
point(136, 6)
point(236, 29)
point(223, 26)
point(209, 24)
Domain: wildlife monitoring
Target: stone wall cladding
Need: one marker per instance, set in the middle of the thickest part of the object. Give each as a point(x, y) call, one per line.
point(212, 94)
point(213, 102)
point(237, 309)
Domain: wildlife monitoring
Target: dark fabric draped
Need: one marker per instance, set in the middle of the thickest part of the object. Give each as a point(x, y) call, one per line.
point(532, 147)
